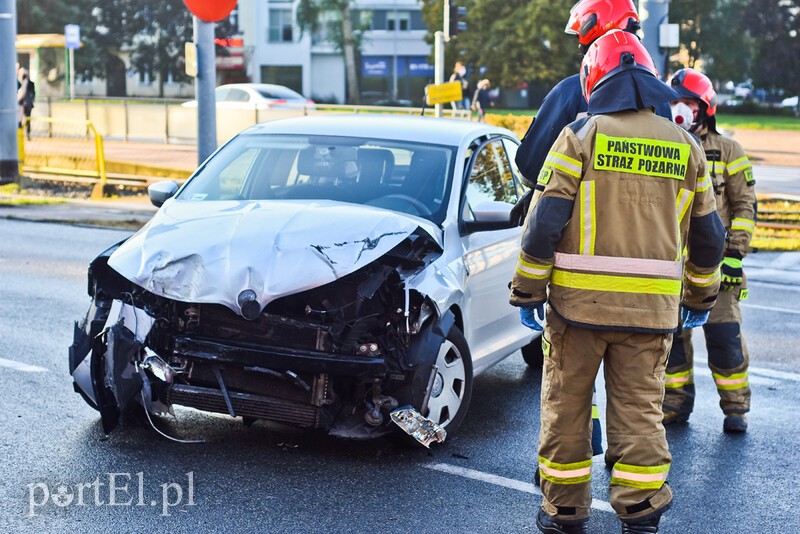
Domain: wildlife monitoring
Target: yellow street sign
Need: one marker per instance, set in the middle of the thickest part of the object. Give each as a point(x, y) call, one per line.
point(190, 53)
point(443, 93)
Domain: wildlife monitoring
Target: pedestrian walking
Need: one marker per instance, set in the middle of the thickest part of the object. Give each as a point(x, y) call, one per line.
point(624, 194)
point(733, 182)
point(481, 100)
point(26, 94)
point(460, 75)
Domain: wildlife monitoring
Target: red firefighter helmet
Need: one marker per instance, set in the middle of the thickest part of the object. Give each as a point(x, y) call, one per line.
point(611, 54)
point(692, 84)
point(589, 19)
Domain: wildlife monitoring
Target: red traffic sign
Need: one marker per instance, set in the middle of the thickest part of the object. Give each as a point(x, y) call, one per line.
point(210, 10)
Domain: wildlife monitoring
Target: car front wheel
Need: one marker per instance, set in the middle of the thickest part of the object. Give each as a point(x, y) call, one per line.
point(452, 385)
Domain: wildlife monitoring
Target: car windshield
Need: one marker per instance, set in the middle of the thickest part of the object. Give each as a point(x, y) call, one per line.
point(281, 93)
point(402, 176)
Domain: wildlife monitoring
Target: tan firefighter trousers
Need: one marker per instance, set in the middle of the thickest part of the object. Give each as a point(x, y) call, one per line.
point(728, 360)
point(634, 366)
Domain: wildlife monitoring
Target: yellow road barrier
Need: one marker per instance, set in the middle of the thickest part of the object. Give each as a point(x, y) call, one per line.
point(64, 147)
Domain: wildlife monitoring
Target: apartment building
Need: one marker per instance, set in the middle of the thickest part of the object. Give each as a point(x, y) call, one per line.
point(394, 63)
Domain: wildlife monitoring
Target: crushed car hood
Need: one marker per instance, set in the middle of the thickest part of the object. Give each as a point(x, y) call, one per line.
point(209, 252)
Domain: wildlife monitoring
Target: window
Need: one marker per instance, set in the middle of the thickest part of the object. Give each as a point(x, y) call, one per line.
point(403, 176)
point(290, 76)
point(281, 28)
point(237, 95)
point(398, 20)
point(491, 178)
point(511, 150)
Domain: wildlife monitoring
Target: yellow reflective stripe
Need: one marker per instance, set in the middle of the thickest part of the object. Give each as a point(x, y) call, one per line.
point(588, 217)
point(716, 165)
point(703, 183)
point(595, 412)
point(639, 476)
point(740, 223)
point(533, 270)
point(734, 381)
point(635, 155)
point(574, 473)
point(564, 163)
point(702, 280)
point(618, 284)
point(682, 202)
point(678, 380)
point(738, 165)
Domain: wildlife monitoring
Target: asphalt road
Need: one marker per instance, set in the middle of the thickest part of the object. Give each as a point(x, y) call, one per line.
point(57, 465)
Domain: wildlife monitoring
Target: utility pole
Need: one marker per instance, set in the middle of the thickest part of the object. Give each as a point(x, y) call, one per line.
point(653, 14)
point(9, 110)
point(204, 84)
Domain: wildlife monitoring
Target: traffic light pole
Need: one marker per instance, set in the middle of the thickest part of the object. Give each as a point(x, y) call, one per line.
point(204, 85)
point(9, 110)
point(654, 13)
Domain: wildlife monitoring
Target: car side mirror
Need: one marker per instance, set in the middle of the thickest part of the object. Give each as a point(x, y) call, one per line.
point(160, 192)
point(489, 215)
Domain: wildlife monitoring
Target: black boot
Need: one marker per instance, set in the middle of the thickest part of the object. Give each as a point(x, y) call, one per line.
point(549, 525)
point(644, 527)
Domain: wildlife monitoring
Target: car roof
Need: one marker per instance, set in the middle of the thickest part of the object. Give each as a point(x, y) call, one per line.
point(381, 126)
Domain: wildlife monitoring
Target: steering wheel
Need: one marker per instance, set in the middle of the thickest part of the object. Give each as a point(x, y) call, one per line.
point(421, 208)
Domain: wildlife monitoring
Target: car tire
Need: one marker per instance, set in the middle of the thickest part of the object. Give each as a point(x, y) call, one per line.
point(453, 350)
point(533, 353)
point(452, 388)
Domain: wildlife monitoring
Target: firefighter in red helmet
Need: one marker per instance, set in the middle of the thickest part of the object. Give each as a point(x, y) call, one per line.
point(733, 184)
point(624, 193)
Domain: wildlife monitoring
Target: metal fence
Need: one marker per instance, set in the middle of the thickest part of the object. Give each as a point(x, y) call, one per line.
point(175, 121)
point(71, 147)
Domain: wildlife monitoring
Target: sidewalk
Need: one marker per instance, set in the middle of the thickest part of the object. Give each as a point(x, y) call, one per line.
point(125, 214)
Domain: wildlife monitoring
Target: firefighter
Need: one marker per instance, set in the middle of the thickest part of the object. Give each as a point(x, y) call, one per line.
point(732, 178)
point(588, 20)
point(625, 194)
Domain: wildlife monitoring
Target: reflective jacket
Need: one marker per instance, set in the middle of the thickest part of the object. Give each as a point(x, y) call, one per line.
point(562, 105)
point(626, 198)
point(732, 177)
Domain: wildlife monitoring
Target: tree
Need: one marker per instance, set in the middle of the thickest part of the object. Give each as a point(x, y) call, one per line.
point(711, 37)
point(346, 33)
point(513, 42)
point(154, 32)
point(774, 28)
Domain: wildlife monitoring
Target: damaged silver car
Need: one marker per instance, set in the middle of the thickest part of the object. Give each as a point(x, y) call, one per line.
point(320, 272)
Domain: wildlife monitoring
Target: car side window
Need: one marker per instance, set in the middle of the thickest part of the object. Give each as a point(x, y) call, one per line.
point(511, 150)
point(491, 178)
point(237, 95)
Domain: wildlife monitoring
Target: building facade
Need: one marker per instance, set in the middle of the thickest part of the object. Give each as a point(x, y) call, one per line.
point(394, 63)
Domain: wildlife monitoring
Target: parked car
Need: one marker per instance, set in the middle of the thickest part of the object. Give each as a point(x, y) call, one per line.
point(317, 271)
point(743, 90)
point(258, 95)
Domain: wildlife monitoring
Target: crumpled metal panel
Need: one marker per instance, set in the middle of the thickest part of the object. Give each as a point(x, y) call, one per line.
point(417, 426)
point(209, 252)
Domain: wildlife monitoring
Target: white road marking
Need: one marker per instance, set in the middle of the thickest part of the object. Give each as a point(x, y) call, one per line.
point(497, 480)
point(771, 308)
point(19, 366)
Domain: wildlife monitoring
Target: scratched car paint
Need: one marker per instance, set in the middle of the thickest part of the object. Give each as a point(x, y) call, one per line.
point(318, 272)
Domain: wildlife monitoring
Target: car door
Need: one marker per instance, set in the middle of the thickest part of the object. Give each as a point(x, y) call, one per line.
point(492, 329)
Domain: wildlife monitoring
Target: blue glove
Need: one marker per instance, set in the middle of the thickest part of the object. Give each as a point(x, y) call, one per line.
point(533, 316)
point(693, 319)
